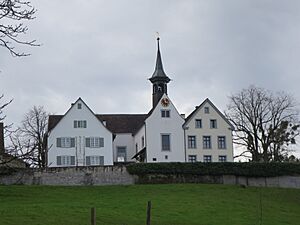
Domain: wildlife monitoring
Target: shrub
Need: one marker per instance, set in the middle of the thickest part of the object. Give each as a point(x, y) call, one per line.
point(249, 169)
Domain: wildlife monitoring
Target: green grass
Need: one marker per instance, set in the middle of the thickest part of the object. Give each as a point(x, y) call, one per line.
point(175, 204)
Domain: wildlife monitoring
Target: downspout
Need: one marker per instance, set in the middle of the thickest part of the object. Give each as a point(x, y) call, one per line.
point(145, 141)
point(184, 143)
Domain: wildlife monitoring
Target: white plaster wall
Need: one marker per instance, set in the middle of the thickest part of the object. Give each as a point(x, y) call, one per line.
point(124, 140)
point(156, 125)
point(138, 138)
point(94, 129)
point(223, 129)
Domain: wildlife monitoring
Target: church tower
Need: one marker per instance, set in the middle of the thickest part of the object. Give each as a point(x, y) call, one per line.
point(159, 79)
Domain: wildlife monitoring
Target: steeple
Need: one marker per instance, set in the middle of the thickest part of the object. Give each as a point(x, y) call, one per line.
point(159, 79)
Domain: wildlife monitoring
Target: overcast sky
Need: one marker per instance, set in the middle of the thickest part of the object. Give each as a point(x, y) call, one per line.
point(104, 52)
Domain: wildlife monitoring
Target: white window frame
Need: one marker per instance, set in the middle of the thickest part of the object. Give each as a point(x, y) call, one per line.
point(165, 113)
point(196, 124)
point(161, 138)
point(192, 158)
point(206, 157)
point(222, 144)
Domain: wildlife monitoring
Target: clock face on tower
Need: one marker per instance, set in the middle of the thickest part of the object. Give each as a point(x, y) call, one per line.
point(165, 102)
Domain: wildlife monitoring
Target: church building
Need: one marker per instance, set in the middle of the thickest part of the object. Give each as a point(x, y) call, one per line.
point(82, 138)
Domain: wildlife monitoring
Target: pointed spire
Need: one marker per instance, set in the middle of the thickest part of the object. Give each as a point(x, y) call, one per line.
point(159, 70)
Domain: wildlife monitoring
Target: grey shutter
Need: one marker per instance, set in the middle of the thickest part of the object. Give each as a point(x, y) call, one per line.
point(101, 160)
point(72, 142)
point(75, 124)
point(72, 160)
point(88, 142)
point(58, 142)
point(101, 142)
point(88, 160)
point(58, 160)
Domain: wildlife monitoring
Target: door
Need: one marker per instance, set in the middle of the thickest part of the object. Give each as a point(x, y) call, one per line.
point(121, 154)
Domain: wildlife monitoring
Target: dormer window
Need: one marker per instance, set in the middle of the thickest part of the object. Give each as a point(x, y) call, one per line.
point(79, 106)
point(206, 110)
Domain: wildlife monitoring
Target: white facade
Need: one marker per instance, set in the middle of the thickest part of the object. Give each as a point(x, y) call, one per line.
point(157, 126)
point(123, 147)
point(79, 139)
point(208, 135)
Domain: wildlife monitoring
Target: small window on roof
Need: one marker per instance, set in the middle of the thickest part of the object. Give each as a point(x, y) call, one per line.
point(79, 106)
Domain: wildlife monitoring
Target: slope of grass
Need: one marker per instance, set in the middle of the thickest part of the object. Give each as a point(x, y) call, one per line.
point(176, 204)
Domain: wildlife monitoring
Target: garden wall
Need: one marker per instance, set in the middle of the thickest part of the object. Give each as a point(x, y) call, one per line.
point(118, 175)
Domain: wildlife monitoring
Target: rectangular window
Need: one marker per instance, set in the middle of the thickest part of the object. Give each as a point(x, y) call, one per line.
point(207, 158)
point(65, 160)
point(206, 110)
point(80, 124)
point(165, 113)
point(94, 160)
point(191, 141)
point(165, 142)
point(121, 154)
point(65, 142)
point(79, 106)
point(213, 124)
point(222, 158)
point(198, 123)
point(206, 142)
point(192, 158)
point(94, 142)
point(221, 142)
point(143, 142)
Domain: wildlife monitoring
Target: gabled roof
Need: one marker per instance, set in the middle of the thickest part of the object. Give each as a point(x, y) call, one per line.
point(116, 123)
point(201, 106)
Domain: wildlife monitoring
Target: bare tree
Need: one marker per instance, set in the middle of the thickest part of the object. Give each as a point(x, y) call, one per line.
point(265, 122)
point(2, 106)
point(29, 142)
point(12, 15)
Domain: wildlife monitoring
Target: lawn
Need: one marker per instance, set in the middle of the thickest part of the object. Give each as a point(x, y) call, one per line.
point(174, 204)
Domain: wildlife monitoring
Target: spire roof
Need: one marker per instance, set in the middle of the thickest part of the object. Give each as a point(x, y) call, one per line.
point(159, 73)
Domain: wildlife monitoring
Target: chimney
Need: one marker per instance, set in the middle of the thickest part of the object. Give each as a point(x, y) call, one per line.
point(1, 139)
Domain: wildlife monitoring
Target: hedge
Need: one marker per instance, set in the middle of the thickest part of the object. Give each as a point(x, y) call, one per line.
point(249, 169)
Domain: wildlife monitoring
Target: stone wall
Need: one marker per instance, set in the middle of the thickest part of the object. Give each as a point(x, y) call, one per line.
point(106, 175)
point(118, 175)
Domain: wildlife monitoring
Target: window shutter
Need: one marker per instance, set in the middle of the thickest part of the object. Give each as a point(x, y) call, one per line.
point(58, 142)
point(58, 160)
point(72, 160)
point(101, 142)
point(88, 142)
point(101, 160)
point(88, 161)
point(72, 142)
point(75, 124)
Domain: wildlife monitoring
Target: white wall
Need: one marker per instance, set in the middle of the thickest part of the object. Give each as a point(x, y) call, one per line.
point(124, 140)
point(156, 125)
point(223, 129)
point(94, 129)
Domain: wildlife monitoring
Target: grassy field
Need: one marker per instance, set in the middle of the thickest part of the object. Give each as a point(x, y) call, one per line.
point(176, 204)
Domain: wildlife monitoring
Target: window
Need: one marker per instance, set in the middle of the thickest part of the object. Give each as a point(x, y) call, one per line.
point(165, 113)
point(94, 142)
point(191, 141)
point(136, 148)
point(198, 123)
point(143, 142)
point(213, 124)
point(166, 157)
point(165, 142)
point(206, 142)
point(154, 159)
point(121, 154)
point(80, 124)
point(206, 110)
point(222, 158)
point(65, 142)
point(94, 160)
point(207, 158)
point(221, 142)
point(79, 106)
point(192, 158)
point(65, 160)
